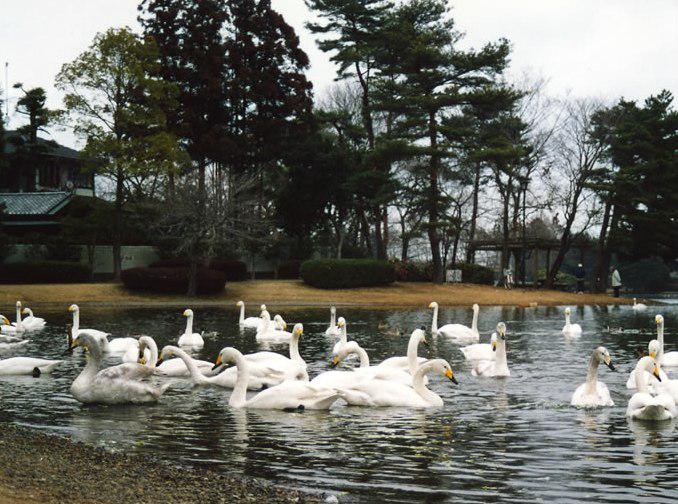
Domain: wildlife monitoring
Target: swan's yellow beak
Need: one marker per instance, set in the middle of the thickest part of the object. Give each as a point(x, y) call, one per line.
point(652, 354)
point(24, 311)
point(218, 362)
point(425, 341)
point(5, 321)
point(335, 361)
point(431, 305)
point(340, 323)
point(655, 371)
point(71, 308)
point(186, 313)
point(284, 326)
point(142, 361)
point(299, 332)
point(494, 346)
point(449, 374)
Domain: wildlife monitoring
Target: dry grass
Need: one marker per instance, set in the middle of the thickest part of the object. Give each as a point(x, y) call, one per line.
point(295, 292)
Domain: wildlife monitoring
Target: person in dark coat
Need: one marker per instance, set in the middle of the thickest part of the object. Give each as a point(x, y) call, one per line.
point(580, 275)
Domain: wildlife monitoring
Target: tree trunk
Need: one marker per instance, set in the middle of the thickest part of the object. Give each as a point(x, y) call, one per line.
point(117, 235)
point(565, 240)
point(470, 251)
point(600, 273)
point(505, 258)
point(433, 211)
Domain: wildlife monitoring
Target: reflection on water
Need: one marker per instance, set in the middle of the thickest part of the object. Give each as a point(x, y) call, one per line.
point(513, 439)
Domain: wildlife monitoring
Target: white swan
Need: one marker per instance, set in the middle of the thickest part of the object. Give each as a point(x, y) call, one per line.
point(332, 330)
point(638, 306)
point(279, 323)
point(189, 338)
point(289, 368)
point(343, 335)
point(594, 393)
point(458, 332)
point(381, 393)
point(115, 385)
point(571, 330)
point(116, 345)
point(668, 359)
point(249, 322)
point(645, 406)
point(498, 366)
point(31, 322)
point(411, 361)
point(9, 345)
point(27, 366)
point(267, 333)
point(481, 351)
point(148, 355)
point(15, 328)
point(288, 395)
point(653, 351)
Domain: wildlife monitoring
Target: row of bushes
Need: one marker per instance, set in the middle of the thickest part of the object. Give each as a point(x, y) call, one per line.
point(44, 272)
point(422, 271)
point(347, 273)
point(172, 280)
point(235, 271)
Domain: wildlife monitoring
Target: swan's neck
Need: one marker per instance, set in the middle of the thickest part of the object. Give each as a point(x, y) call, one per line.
point(333, 318)
point(265, 325)
point(242, 313)
point(153, 348)
point(189, 325)
point(592, 376)
point(343, 337)
point(294, 349)
point(420, 388)
point(474, 323)
point(193, 370)
point(362, 355)
point(500, 354)
point(434, 322)
point(19, 322)
point(412, 363)
point(239, 394)
point(29, 312)
point(660, 339)
point(641, 379)
point(76, 323)
point(567, 319)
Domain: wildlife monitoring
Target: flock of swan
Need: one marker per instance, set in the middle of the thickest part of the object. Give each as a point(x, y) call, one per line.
point(282, 381)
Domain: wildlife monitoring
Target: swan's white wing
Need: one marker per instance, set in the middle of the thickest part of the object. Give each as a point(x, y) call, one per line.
point(670, 359)
point(478, 351)
point(127, 371)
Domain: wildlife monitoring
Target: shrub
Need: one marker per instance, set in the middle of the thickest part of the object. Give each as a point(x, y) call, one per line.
point(346, 273)
point(44, 272)
point(413, 271)
point(289, 270)
point(647, 275)
point(172, 280)
point(235, 271)
point(475, 273)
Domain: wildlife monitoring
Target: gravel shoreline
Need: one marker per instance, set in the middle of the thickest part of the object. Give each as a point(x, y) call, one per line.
point(35, 467)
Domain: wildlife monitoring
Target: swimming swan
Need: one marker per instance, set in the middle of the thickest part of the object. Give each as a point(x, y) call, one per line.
point(638, 306)
point(594, 393)
point(668, 359)
point(249, 322)
point(456, 331)
point(31, 322)
point(653, 351)
point(288, 395)
point(497, 367)
point(343, 335)
point(411, 361)
point(332, 330)
point(115, 385)
point(148, 355)
point(481, 351)
point(292, 367)
point(382, 393)
point(189, 338)
point(571, 330)
point(27, 366)
point(116, 345)
point(645, 406)
point(267, 333)
point(16, 327)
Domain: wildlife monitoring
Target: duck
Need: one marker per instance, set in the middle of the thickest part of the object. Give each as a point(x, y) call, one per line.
point(114, 385)
point(378, 392)
point(16, 327)
point(458, 332)
point(652, 351)
point(570, 330)
point(638, 306)
point(333, 330)
point(498, 366)
point(27, 366)
point(31, 322)
point(249, 322)
point(267, 333)
point(593, 393)
point(411, 361)
point(645, 406)
point(114, 346)
point(289, 395)
point(481, 351)
point(668, 359)
point(148, 355)
point(189, 338)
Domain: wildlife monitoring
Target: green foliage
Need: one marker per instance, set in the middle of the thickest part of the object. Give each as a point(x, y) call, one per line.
point(475, 273)
point(172, 280)
point(647, 275)
point(234, 271)
point(347, 273)
point(44, 272)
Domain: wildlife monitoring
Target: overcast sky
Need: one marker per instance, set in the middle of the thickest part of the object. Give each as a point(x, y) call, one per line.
point(602, 48)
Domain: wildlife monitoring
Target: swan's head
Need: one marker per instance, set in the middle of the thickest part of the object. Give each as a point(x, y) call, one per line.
point(25, 311)
point(265, 315)
point(227, 356)
point(166, 353)
point(18, 304)
point(501, 330)
point(433, 305)
point(341, 322)
point(602, 355)
point(333, 310)
point(279, 320)
point(653, 348)
point(239, 304)
point(4, 320)
point(298, 330)
point(349, 348)
point(73, 308)
point(650, 365)
point(493, 341)
point(188, 313)
point(420, 334)
point(476, 307)
point(634, 300)
point(87, 341)
point(263, 307)
point(659, 320)
point(443, 367)
point(568, 311)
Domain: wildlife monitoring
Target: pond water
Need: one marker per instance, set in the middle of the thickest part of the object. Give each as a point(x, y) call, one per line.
point(509, 440)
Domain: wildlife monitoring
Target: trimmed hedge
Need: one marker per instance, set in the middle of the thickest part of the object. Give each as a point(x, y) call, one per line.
point(289, 270)
point(44, 272)
point(474, 273)
point(413, 271)
point(235, 271)
point(172, 280)
point(346, 273)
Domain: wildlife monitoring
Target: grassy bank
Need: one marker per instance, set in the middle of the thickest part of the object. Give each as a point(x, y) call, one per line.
point(295, 292)
point(35, 467)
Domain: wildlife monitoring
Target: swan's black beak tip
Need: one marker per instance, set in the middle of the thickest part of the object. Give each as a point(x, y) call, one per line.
point(611, 366)
point(216, 366)
point(454, 380)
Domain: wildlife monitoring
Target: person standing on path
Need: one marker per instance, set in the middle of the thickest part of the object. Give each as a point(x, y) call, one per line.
point(580, 274)
point(616, 281)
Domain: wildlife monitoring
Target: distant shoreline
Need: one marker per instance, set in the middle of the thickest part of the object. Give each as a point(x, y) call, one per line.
point(293, 293)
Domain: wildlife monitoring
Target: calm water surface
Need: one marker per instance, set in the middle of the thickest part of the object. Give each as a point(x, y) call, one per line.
point(509, 440)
